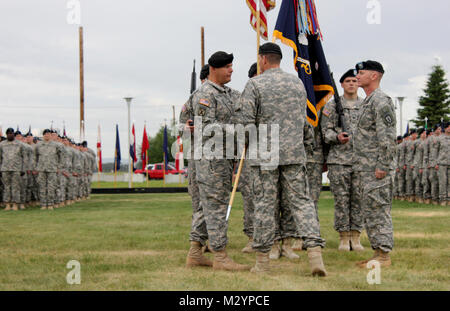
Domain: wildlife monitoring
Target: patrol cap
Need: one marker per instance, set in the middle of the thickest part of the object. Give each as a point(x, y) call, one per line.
point(270, 48)
point(349, 73)
point(46, 131)
point(370, 65)
point(204, 73)
point(10, 130)
point(220, 59)
point(252, 71)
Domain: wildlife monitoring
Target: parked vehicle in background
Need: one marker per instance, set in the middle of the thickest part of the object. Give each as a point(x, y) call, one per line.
point(156, 171)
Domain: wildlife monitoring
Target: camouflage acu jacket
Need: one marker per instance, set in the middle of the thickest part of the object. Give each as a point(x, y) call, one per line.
point(12, 156)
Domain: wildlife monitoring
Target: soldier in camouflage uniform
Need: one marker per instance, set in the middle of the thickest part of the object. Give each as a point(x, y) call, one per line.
point(27, 169)
point(282, 180)
point(443, 166)
point(434, 146)
point(374, 152)
point(48, 155)
point(78, 171)
point(397, 169)
point(402, 168)
point(418, 165)
point(213, 106)
point(199, 235)
point(31, 180)
point(409, 162)
point(12, 168)
point(426, 171)
point(348, 219)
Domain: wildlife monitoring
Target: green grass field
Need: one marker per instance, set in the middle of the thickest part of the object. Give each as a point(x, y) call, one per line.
point(140, 242)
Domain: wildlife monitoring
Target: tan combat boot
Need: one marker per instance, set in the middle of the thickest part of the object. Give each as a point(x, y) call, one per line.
point(7, 207)
point(286, 249)
point(62, 204)
point(248, 248)
point(50, 207)
point(316, 262)
point(382, 257)
point(195, 257)
point(427, 201)
point(298, 244)
point(262, 264)
point(223, 262)
point(43, 207)
point(344, 237)
point(275, 252)
point(443, 203)
point(15, 207)
point(355, 241)
point(22, 207)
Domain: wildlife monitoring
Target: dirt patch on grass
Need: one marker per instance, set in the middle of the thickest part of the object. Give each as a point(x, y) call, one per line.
point(421, 235)
point(424, 214)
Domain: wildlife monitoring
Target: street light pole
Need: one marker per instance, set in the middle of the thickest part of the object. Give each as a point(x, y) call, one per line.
point(128, 99)
point(400, 102)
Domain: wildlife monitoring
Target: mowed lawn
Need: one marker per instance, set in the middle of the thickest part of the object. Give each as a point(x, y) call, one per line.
point(140, 242)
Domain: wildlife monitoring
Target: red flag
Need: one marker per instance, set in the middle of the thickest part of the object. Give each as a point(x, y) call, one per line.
point(266, 6)
point(145, 146)
point(99, 151)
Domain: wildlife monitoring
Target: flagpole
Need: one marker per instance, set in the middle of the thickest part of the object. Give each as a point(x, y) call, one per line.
point(115, 168)
point(258, 35)
point(146, 164)
point(128, 99)
point(80, 34)
point(164, 169)
point(203, 45)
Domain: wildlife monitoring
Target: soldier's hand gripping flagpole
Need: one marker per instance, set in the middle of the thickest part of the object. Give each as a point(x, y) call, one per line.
point(236, 182)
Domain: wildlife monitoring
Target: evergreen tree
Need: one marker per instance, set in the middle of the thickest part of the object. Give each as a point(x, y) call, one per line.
point(435, 104)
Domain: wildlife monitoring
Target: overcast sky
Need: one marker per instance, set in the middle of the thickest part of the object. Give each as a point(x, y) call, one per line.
point(145, 49)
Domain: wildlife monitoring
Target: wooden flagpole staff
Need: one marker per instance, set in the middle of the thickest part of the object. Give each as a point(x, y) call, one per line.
point(236, 182)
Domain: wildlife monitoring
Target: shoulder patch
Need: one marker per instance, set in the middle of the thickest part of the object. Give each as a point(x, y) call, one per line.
point(387, 116)
point(326, 112)
point(204, 102)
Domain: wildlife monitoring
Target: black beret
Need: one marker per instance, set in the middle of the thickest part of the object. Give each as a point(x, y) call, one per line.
point(204, 73)
point(420, 131)
point(349, 73)
point(46, 131)
point(399, 137)
point(405, 135)
point(18, 133)
point(252, 71)
point(412, 131)
point(270, 48)
point(446, 124)
point(10, 130)
point(370, 65)
point(436, 126)
point(429, 131)
point(220, 59)
point(84, 143)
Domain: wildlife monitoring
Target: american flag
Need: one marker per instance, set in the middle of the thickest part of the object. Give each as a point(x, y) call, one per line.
point(265, 6)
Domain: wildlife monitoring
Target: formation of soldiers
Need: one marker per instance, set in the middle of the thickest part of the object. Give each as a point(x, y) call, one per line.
point(50, 172)
point(281, 202)
point(422, 166)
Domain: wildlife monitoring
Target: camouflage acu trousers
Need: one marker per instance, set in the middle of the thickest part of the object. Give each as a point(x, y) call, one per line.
point(58, 188)
point(89, 183)
point(376, 204)
point(418, 188)
point(64, 187)
point(347, 206)
point(402, 182)
point(396, 192)
point(198, 225)
point(285, 226)
point(12, 186)
point(245, 182)
point(47, 188)
point(444, 189)
point(214, 183)
point(434, 183)
point(410, 187)
point(23, 188)
point(72, 187)
point(426, 184)
point(314, 171)
point(287, 185)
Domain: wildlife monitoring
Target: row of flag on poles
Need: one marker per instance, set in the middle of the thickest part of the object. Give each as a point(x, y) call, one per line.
point(297, 26)
point(144, 150)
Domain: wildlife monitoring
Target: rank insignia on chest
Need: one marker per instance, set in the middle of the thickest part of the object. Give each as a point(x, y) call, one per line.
point(201, 112)
point(204, 102)
point(326, 112)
